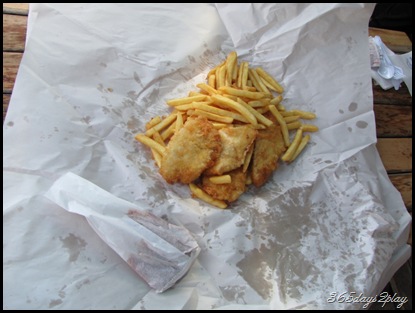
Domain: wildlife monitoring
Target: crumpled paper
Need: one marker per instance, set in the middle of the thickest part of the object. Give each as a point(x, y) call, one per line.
point(93, 75)
point(158, 251)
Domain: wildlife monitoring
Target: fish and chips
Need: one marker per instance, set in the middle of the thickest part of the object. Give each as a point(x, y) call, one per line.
point(231, 132)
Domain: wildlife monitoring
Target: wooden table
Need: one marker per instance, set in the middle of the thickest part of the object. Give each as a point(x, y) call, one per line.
point(393, 109)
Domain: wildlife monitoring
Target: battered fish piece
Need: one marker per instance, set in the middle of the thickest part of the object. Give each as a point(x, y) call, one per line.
point(269, 147)
point(236, 142)
point(194, 148)
point(227, 192)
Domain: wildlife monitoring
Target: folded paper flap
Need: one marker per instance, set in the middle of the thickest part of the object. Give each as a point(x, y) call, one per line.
point(160, 252)
point(175, 235)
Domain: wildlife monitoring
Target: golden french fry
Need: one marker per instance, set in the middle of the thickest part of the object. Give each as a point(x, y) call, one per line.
point(212, 81)
point(230, 66)
point(243, 93)
point(199, 193)
point(157, 137)
point(263, 110)
point(244, 77)
point(276, 100)
point(207, 88)
point(249, 88)
point(179, 122)
point(239, 78)
point(221, 112)
point(280, 107)
point(260, 118)
point(282, 123)
point(234, 98)
point(266, 83)
point(270, 79)
point(293, 146)
point(254, 79)
point(185, 100)
point(221, 79)
point(213, 116)
point(304, 114)
point(228, 103)
point(235, 72)
point(301, 146)
point(167, 133)
point(309, 128)
point(219, 125)
point(195, 93)
point(292, 118)
point(163, 124)
point(150, 143)
point(294, 125)
point(257, 104)
point(154, 121)
point(213, 70)
point(261, 85)
point(221, 179)
point(157, 157)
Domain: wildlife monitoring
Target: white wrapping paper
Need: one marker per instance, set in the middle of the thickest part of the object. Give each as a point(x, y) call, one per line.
point(93, 75)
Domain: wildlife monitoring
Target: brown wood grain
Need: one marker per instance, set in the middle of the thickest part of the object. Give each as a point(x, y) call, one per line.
point(16, 8)
point(392, 96)
point(6, 101)
point(396, 154)
point(403, 182)
point(14, 32)
point(393, 120)
point(11, 62)
point(395, 40)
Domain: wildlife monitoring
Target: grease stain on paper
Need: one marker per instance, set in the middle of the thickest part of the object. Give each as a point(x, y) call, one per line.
point(74, 245)
point(234, 293)
point(54, 303)
point(361, 124)
point(261, 263)
point(352, 106)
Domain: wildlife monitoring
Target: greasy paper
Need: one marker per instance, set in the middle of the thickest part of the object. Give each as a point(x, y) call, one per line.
point(93, 75)
point(158, 251)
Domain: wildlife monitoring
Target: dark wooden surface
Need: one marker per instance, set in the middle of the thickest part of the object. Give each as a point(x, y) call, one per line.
point(393, 113)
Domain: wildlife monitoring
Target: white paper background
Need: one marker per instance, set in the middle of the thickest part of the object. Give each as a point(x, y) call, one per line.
point(90, 78)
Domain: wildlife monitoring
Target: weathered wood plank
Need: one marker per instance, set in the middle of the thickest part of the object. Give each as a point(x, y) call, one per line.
point(16, 8)
point(396, 154)
point(11, 62)
point(393, 120)
point(392, 96)
point(6, 101)
point(403, 182)
point(14, 32)
point(397, 41)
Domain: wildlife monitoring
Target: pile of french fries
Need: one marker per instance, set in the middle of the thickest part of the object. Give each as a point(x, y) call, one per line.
point(233, 94)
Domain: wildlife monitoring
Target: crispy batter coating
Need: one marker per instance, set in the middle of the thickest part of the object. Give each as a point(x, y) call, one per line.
point(269, 146)
point(227, 192)
point(194, 148)
point(235, 144)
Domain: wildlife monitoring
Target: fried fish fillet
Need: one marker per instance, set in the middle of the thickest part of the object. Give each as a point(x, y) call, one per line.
point(236, 141)
point(194, 148)
point(227, 192)
point(269, 146)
